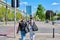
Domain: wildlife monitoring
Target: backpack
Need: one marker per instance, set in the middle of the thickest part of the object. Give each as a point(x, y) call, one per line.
point(34, 26)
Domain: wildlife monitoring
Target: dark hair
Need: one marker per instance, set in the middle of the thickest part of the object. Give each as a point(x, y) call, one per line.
point(30, 18)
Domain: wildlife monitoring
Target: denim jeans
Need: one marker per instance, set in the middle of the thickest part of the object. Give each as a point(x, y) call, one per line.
point(32, 34)
point(23, 35)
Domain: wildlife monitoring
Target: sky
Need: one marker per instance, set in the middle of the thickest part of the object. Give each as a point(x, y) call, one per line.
point(47, 4)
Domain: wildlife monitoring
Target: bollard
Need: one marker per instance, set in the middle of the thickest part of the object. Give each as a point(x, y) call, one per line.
point(53, 33)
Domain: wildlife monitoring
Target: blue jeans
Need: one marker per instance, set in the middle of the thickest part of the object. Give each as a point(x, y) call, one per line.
point(31, 34)
point(23, 35)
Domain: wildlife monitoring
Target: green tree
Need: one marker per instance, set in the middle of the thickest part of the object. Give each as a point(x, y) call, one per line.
point(9, 14)
point(18, 15)
point(40, 12)
point(36, 17)
point(58, 14)
point(2, 12)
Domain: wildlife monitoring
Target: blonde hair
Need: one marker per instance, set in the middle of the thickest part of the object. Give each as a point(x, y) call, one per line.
point(22, 18)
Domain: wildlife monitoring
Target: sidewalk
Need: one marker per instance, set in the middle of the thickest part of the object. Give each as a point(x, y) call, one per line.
point(38, 36)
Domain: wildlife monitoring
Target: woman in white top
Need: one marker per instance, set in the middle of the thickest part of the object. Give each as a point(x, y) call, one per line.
point(32, 34)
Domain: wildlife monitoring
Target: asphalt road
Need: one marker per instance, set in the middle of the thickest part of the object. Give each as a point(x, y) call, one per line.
point(42, 26)
point(47, 27)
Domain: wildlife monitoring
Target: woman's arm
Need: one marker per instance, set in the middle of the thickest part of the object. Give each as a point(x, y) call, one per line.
point(18, 28)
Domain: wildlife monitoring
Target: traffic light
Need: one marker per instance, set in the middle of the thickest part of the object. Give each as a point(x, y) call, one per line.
point(17, 3)
point(13, 3)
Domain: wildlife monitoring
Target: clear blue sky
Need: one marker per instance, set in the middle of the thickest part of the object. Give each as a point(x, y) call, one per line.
point(48, 4)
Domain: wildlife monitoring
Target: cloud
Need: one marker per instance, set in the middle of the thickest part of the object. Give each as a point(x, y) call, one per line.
point(55, 3)
point(24, 3)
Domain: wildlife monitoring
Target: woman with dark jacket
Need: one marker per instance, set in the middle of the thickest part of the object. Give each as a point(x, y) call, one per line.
point(21, 28)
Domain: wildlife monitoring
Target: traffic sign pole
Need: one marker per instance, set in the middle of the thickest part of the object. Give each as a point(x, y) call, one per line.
point(15, 20)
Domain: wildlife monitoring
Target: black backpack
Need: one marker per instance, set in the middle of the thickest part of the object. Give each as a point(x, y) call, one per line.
point(34, 27)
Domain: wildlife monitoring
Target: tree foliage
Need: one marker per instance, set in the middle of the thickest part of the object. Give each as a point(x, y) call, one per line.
point(36, 17)
point(6, 13)
point(58, 14)
point(50, 14)
point(40, 12)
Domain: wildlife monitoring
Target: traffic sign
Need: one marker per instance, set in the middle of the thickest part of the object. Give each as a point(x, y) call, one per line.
point(28, 10)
